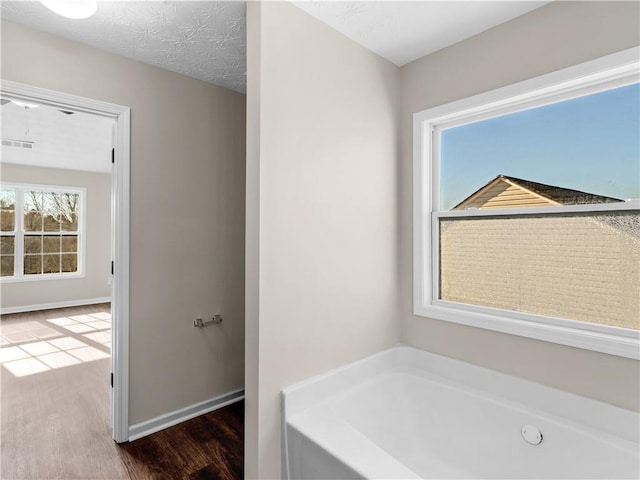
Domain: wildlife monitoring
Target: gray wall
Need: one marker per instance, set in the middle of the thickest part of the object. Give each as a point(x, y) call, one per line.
point(322, 207)
point(555, 36)
point(94, 284)
point(187, 213)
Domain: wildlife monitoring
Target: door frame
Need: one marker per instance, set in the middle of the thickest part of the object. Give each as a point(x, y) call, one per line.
point(120, 205)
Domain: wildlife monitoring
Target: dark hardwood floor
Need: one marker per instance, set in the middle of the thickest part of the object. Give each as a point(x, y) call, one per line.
point(55, 410)
point(208, 447)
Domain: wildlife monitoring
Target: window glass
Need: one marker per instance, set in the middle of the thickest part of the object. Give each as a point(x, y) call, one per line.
point(33, 209)
point(69, 263)
point(69, 243)
point(69, 212)
point(581, 266)
point(7, 210)
point(7, 244)
point(579, 151)
point(51, 214)
point(33, 244)
point(7, 266)
point(33, 264)
point(51, 263)
point(578, 267)
point(7, 227)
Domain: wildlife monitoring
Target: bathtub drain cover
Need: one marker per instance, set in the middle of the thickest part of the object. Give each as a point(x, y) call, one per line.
point(531, 434)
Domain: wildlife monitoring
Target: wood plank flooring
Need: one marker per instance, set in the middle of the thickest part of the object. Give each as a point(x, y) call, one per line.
point(205, 448)
point(55, 410)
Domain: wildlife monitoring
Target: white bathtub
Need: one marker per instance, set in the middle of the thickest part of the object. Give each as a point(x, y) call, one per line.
point(405, 413)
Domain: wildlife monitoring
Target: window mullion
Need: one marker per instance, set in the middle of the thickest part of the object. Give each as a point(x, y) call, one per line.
point(554, 210)
point(19, 239)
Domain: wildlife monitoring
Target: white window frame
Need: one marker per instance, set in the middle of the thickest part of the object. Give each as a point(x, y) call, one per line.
point(20, 234)
point(616, 70)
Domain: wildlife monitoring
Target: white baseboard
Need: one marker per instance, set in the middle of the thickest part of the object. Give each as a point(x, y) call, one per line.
point(170, 419)
point(49, 306)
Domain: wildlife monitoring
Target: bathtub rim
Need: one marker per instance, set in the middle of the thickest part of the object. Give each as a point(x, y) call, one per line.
point(544, 399)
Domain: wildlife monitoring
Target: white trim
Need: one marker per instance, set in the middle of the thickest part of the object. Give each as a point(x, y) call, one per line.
point(120, 195)
point(615, 70)
point(619, 69)
point(52, 305)
point(44, 187)
point(120, 289)
point(41, 277)
point(170, 419)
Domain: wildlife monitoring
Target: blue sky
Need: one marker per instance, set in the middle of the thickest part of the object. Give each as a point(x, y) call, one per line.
point(590, 143)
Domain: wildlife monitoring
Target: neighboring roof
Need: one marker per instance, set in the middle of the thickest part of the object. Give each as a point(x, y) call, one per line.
point(555, 195)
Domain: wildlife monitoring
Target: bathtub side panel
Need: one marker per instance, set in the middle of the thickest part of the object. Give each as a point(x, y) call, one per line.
point(309, 461)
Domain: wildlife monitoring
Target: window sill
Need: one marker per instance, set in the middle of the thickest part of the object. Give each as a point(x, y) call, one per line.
point(41, 278)
point(621, 342)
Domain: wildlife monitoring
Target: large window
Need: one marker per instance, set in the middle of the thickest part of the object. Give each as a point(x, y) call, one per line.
point(41, 232)
point(527, 208)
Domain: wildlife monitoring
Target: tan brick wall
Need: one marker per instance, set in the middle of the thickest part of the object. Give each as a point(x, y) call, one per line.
point(583, 268)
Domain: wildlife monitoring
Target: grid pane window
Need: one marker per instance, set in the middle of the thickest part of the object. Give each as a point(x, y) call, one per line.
point(8, 227)
point(45, 236)
point(62, 246)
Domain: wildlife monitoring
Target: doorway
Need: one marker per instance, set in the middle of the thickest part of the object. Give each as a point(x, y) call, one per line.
point(119, 241)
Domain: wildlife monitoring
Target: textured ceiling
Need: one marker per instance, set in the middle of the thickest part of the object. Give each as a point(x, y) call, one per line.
point(403, 31)
point(207, 39)
point(74, 142)
point(204, 40)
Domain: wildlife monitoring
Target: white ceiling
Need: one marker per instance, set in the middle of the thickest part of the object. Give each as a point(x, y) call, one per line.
point(207, 39)
point(202, 39)
point(79, 141)
point(402, 31)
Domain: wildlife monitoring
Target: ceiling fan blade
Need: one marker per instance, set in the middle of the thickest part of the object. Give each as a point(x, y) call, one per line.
point(66, 112)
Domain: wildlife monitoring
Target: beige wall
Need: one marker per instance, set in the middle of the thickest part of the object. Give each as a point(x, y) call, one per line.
point(187, 165)
point(322, 235)
point(98, 241)
point(555, 36)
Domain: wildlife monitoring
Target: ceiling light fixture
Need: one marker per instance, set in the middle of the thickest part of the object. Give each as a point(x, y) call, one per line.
point(76, 9)
point(25, 104)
